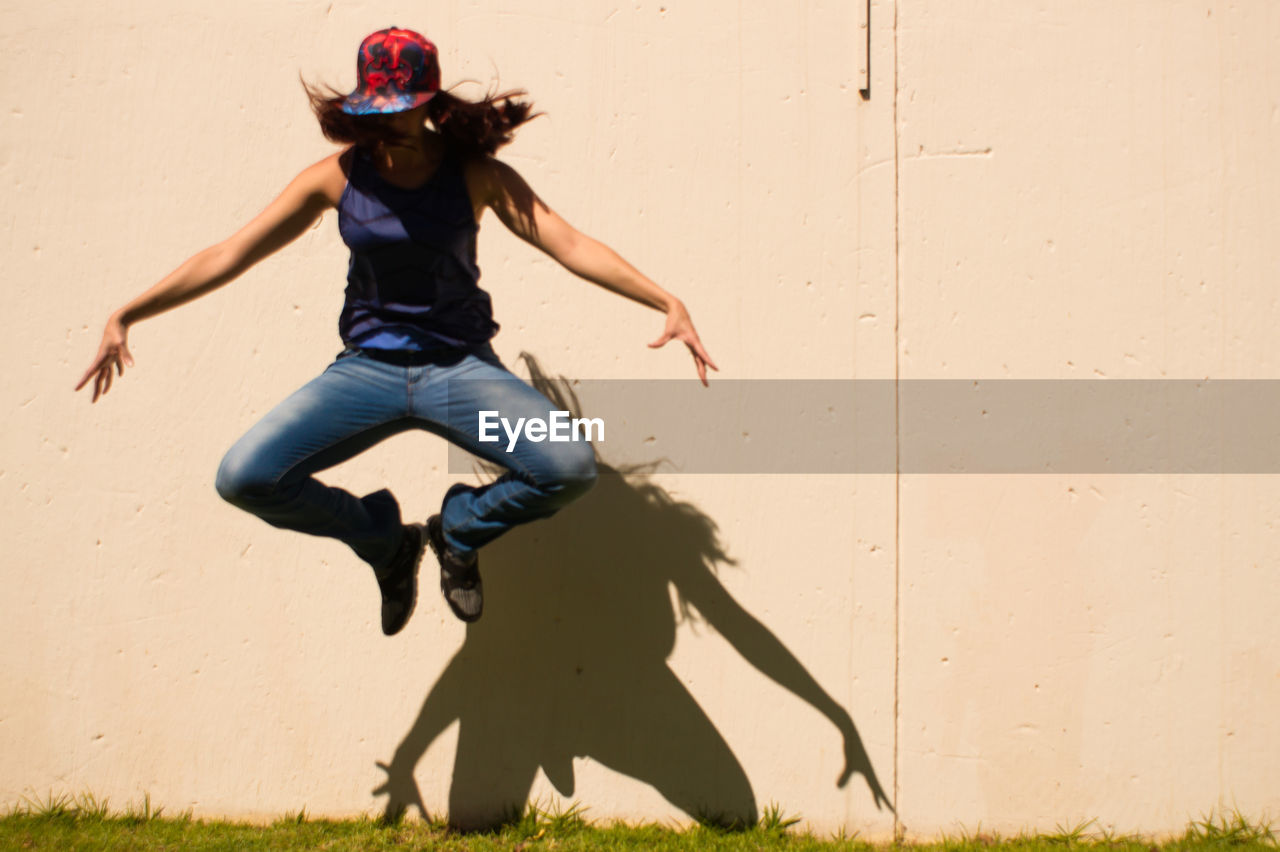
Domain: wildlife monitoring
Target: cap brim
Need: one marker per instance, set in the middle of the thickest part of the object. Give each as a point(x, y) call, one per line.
point(359, 103)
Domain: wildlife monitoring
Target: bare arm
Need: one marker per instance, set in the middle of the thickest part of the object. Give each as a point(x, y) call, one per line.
point(520, 209)
point(280, 223)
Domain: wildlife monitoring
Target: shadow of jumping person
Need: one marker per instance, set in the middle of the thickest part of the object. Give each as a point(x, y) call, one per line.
point(570, 661)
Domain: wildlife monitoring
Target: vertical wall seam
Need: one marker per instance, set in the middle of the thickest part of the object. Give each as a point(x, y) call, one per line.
point(897, 440)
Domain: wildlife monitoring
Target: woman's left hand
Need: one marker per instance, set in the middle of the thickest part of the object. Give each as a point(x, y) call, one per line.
point(680, 327)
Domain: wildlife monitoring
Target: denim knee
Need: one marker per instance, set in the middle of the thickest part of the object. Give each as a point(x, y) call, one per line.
point(571, 473)
point(239, 481)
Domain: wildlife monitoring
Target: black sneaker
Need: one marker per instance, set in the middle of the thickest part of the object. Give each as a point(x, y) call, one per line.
point(399, 581)
point(459, 579)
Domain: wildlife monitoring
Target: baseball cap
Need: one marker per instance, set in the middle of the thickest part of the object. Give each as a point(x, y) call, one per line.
point(397, 70)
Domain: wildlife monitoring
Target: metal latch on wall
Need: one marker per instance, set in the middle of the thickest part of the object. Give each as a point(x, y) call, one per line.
point(864, 38)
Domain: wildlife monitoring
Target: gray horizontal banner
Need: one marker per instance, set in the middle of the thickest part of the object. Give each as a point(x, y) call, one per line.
point(910, 426)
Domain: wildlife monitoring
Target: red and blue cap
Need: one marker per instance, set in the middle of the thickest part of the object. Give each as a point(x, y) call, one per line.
point(397, 70)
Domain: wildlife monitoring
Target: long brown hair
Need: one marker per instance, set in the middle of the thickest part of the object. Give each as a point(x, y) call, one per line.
point(473, 127)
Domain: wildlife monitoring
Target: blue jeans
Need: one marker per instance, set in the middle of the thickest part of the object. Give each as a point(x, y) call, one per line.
point(358, 402)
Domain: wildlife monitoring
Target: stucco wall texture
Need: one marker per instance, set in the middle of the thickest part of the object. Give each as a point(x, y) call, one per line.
point(1032, 189)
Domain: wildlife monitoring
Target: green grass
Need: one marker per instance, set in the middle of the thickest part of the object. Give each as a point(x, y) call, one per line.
point(83, 823)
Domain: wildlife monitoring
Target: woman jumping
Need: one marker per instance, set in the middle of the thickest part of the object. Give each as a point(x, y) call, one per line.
point(415, 325)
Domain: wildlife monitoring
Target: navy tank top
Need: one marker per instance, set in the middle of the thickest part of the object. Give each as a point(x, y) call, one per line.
point(412, 282)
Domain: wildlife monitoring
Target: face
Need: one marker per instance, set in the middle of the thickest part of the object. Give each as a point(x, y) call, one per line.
point(409, 121)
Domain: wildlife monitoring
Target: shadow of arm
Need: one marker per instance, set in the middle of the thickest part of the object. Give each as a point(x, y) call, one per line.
point(439, 709)
point(762, 649)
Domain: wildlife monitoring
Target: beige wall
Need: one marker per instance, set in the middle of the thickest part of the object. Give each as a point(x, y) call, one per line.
point(1087, 190)
point(1033, 190)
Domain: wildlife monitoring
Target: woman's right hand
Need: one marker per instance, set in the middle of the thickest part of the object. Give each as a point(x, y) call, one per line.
point(113, 353)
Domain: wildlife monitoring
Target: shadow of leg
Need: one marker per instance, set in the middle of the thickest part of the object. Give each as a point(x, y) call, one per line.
point(492, 776)
point(663, 738)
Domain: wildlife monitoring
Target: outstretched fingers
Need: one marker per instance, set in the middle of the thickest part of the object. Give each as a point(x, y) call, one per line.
point(701, 367)
point(109, 358)
point(94, 369)
point(661, 341)
point(700, 357)
point(680, 327)
point(696, 346)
